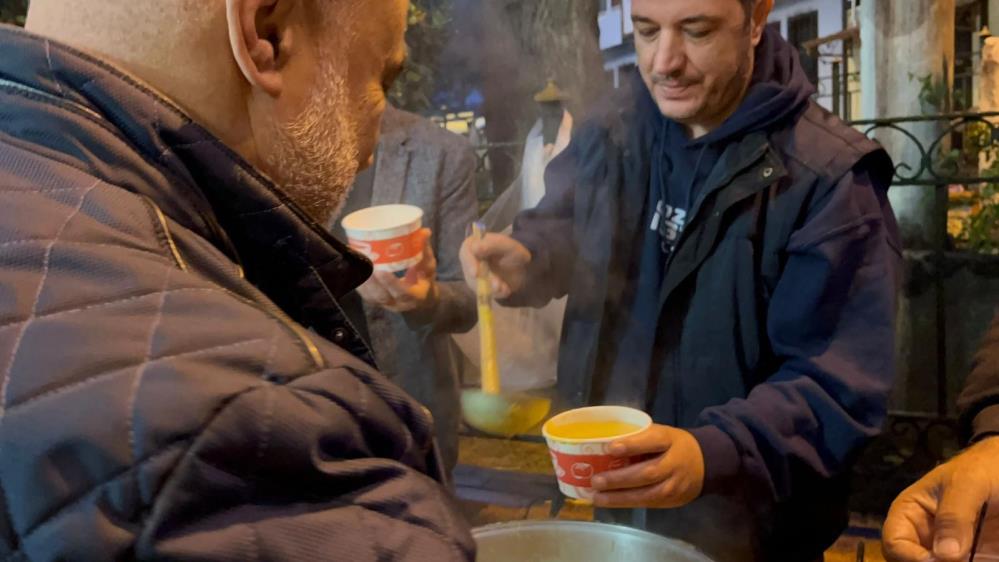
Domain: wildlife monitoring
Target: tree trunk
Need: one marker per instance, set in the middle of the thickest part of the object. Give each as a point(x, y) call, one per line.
point(527, 42)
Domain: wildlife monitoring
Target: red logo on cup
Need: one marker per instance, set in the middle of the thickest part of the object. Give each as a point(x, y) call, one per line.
point(577, 470)
point(382, 252)
point(582, 471)
point(395, 251)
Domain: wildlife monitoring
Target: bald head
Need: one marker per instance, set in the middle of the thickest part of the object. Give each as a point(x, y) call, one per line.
point(295, 86)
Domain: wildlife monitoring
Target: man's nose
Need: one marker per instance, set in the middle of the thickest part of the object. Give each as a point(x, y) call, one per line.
point(670, 58)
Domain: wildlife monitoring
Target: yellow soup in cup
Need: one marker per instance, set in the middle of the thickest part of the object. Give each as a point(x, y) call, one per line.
point(579, 442)
point(592, 429)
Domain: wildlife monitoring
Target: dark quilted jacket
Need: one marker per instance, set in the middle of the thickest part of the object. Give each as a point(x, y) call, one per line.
point(169, 385)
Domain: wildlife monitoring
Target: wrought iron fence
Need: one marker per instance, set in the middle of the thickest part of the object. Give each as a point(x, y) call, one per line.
point(928, 170)
point(914, 443)
point(938, 164)
point(910, 446)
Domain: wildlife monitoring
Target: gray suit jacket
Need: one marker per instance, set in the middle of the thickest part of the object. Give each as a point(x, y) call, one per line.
point(421, 164)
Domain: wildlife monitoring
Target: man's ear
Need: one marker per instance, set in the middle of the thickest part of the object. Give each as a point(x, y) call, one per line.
point(761, 11)
point(260, 40)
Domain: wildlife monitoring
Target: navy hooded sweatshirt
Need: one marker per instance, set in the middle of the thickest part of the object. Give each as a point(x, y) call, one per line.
point(779, 90)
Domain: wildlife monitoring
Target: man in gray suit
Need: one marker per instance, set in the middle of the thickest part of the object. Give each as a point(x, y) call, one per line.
point(409, 321)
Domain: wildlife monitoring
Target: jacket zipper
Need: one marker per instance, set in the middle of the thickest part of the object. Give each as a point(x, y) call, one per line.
point(171, 245)
point(297, 330)
point(699, 204)
point(675, 359)
point(677, 385)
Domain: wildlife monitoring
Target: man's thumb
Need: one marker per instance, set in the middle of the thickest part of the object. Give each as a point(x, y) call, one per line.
point(954, 524)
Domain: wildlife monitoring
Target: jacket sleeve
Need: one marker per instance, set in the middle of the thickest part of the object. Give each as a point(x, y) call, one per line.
point(547, 232)
point(279, 455)
point(157, 415)
point(979, 403)
point(455, 310)
point(831, 325)
point(309, 470)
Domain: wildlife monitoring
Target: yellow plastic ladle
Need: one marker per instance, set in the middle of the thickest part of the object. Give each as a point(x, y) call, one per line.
point(488, 409)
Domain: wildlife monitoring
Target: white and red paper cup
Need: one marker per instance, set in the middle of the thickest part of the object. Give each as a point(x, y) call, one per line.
point(387, 235)
point(577, 461)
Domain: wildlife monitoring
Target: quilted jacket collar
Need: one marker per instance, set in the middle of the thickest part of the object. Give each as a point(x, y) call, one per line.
point(189, 173)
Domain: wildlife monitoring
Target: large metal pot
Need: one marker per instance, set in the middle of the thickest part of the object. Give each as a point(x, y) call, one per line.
point(576, 541)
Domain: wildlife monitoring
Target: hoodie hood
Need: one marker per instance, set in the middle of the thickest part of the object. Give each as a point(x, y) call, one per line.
point(778, 89)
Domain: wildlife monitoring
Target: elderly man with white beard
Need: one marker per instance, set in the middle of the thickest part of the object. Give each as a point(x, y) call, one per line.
point(177, 379)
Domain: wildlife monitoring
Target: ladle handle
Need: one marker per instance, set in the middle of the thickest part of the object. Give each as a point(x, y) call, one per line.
point(487, 327)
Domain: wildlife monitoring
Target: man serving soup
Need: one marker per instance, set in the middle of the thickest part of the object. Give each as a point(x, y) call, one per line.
point(731, 264)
